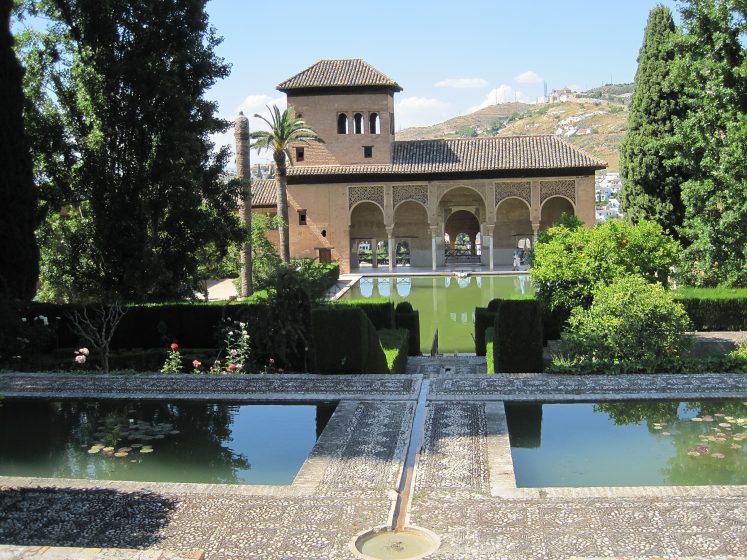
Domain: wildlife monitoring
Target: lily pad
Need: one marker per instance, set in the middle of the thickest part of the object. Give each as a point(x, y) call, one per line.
point(144, 450)
point(121, 454)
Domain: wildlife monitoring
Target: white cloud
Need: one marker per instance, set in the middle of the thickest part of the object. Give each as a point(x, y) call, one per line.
point(420, 111)
point(529, 77)
point(462, 83)
point(502, 94)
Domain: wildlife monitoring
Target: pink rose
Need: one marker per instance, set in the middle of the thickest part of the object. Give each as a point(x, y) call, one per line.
point(271, 361)
point(174, 346)
point(84, 351)
point(80, 359)
point(281, 370)
point(197, 364)
point(231, 367)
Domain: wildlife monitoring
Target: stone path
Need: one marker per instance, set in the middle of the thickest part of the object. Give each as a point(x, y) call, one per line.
point(464, 486)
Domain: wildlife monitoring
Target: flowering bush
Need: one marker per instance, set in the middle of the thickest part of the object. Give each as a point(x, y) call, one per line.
point(81, 355)
point(238, 351)
point(173, 363)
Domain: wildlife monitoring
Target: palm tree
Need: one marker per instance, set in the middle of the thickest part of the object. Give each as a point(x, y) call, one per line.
point(285, 129)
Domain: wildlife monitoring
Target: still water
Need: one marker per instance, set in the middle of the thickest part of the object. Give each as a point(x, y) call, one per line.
point(158, 441)
point(446, 303)
point(652, 443)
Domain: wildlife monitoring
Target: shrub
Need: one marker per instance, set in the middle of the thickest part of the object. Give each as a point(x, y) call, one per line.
point(379, 311)
point(735, 362)
point(714, 309)
point(484, 319)
point(405, 317)
point(345, 341)
point(319, 278)
point(569, 262)
point(629, 320)
point(489, 354)
point(517, 345)
point(395, 345)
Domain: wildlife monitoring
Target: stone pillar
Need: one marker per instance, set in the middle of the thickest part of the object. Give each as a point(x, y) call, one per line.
point(433, 247)
point(243, 171)
point(391, 246)
point(374, 253)
point(490, 247)
point(535, 231)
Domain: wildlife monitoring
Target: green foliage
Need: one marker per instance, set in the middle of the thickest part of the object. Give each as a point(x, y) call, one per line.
point(265, 258)
point(489, 353)
point(345, 341)
point(394, 342)
point(713, 136)
point(405, 317)
point(318, 277)
point(733, 362)
point(651, 176)
point(570, 263)
point(517, 343)
point(120, 134)
point(173, 363)
point(19, 253)
point(379, 311)
point(715, 313)
point(629, 320)
point(466, 131)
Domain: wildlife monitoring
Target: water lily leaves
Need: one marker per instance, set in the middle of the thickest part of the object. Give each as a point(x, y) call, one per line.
point(121, 454)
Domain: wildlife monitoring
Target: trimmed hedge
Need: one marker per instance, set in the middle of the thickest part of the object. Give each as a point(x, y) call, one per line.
point(489, 354)
point(395, 345)
point(484, 319)
point(518, 337)
point(345, 341)
point(379, 311)
point(405, 317)
point(716, 314)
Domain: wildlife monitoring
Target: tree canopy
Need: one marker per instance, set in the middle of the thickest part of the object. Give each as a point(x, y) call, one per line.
point(120, 131)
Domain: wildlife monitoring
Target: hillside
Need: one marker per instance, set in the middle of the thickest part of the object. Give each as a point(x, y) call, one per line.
point(595, 126)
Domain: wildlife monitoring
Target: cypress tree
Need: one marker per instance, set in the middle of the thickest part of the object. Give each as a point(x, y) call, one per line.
point(651, 176)
point(19, 255)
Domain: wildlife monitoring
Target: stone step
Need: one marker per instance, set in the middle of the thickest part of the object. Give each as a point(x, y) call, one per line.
point(12, 552)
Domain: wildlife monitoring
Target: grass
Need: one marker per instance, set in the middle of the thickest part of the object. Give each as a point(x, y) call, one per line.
point(687, 292)
point(489, 350)
point(394, 342)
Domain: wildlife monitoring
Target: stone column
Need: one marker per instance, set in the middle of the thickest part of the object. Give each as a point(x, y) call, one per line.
point(391, 246)
point(374, 253)
point(243, 172)
point(535, 231)
point(490, 247)
point(434, 260)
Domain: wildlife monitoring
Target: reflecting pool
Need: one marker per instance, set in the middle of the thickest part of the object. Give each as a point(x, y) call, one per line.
point(653, 443)
point(446, 303)
point(158, 441)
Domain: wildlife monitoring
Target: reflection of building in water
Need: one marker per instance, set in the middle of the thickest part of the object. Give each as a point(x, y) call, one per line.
point(366, 287)
point(524, 424)
point(404, 285)
point(464, 282)
point(385, 289)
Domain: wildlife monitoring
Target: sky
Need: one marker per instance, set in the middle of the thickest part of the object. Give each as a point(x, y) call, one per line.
point(450, 58)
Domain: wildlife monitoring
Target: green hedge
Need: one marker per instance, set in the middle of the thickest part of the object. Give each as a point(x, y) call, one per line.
point(379, 311)
point(405, 317)
point(716, 313)
point(484, 319)
point(345, 341)
point(518, 337)
point(395, 345)
point(489, 354)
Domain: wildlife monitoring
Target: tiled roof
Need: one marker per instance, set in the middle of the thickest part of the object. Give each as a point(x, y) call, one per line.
point(352, 72)
point(510, 153)
point(263, 193)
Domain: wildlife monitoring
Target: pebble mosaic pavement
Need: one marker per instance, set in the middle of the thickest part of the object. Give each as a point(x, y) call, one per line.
point(348, 483)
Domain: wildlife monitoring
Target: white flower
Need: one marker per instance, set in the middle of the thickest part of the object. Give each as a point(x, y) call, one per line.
point(23, 319)
point(80, 359)
point(84, 352)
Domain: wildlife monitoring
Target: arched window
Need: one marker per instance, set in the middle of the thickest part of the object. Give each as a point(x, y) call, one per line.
point(342, 123)
point(373, 123)
point(358, 123)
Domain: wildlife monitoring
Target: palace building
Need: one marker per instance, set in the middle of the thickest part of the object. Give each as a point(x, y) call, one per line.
point(439, 202)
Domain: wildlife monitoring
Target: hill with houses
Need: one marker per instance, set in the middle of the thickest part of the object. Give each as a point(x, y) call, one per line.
point(594, 121)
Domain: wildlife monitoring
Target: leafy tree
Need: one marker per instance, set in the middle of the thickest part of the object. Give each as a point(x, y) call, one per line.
point(713, 136)
point(285, 129)
point(651, 176)
point(466, 131)
point(569, 262)
point(19, 254)
point(120, 134)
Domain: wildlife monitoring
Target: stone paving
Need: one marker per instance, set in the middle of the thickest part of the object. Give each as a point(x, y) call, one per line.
point(464, 488)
